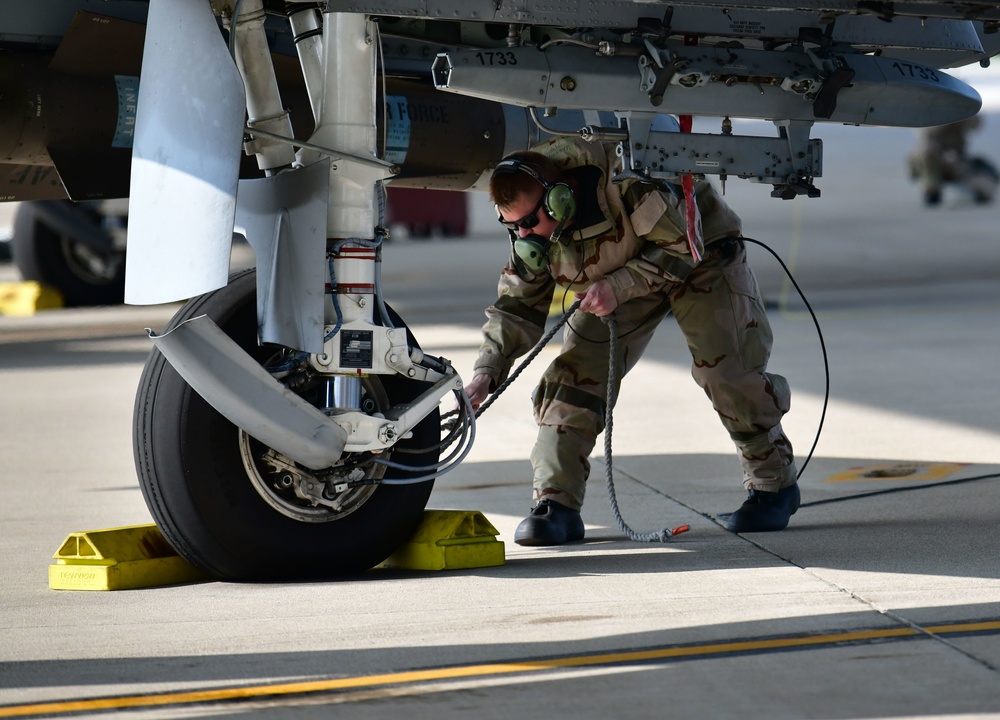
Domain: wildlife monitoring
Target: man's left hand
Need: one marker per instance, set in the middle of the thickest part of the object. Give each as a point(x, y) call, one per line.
point(599, 299)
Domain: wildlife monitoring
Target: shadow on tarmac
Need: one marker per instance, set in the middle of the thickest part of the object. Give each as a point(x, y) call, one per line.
point(941, 528)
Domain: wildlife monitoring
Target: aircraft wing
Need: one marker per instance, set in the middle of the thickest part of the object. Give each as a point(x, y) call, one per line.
point(946, 34)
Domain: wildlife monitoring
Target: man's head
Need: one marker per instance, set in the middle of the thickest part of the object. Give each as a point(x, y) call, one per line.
point(530, 195)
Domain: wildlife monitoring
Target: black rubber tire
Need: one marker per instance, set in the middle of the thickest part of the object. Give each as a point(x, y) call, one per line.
point(44, 255)
point(198, 491)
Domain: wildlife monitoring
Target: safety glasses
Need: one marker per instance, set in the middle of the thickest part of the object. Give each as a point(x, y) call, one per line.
point(527, 222)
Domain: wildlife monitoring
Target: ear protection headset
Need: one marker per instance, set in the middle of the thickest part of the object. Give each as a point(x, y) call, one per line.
point(559, 202)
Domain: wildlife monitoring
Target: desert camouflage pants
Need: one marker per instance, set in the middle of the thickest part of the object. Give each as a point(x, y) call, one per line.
point(720, 311)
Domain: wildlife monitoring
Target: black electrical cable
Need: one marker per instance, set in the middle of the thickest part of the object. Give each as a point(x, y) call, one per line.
point(826, 400)
point(890, 491)
point(822, 344)
point(613, 336)
point(819, 333)
point(564, 320)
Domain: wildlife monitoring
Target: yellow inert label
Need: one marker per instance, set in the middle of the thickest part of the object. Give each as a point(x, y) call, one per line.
point(899, 471)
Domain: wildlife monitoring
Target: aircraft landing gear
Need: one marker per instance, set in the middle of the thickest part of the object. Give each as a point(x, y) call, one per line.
point(236, 509)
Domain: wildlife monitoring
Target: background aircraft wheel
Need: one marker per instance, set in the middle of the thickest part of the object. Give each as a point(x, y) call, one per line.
point(82, 275)
point(240, 511)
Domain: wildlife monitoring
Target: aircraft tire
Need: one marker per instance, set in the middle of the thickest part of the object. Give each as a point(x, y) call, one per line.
point(82, 277)
point(200, 494)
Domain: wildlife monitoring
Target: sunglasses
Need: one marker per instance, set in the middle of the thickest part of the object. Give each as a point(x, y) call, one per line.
point(527, 222)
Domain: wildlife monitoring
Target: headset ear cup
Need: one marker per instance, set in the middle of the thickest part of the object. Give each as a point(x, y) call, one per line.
point(560, 202)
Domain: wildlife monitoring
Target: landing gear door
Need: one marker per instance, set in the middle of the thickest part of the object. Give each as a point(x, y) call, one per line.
point(185, 159)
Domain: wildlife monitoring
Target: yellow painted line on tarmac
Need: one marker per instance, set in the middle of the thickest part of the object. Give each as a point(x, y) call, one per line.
point(259, 692)
point(899, 471)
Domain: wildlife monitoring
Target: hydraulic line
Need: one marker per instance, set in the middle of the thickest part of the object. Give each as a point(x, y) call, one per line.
point(452, 461)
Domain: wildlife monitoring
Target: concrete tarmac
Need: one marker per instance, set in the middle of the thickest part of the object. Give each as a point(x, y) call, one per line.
point(881, 599)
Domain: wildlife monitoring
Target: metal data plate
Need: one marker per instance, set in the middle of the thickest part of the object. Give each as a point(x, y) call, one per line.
point(761, 158)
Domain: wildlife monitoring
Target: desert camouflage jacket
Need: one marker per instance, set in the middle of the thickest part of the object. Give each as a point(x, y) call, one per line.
point(631, 232)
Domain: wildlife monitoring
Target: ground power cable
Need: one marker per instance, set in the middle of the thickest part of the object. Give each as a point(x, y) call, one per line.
point(822, 345)
point(893, 491)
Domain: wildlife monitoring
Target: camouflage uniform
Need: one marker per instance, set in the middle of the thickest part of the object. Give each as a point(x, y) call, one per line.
point(636, 239)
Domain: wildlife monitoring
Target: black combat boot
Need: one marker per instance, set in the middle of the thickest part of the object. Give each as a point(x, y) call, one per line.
point(550, 524)
point(765, 511)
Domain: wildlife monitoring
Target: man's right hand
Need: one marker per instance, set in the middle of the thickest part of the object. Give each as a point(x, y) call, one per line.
point(599, 299)
point(477, 389)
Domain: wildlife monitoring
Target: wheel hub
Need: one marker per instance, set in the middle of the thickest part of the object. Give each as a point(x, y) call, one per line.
point(315, 496)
